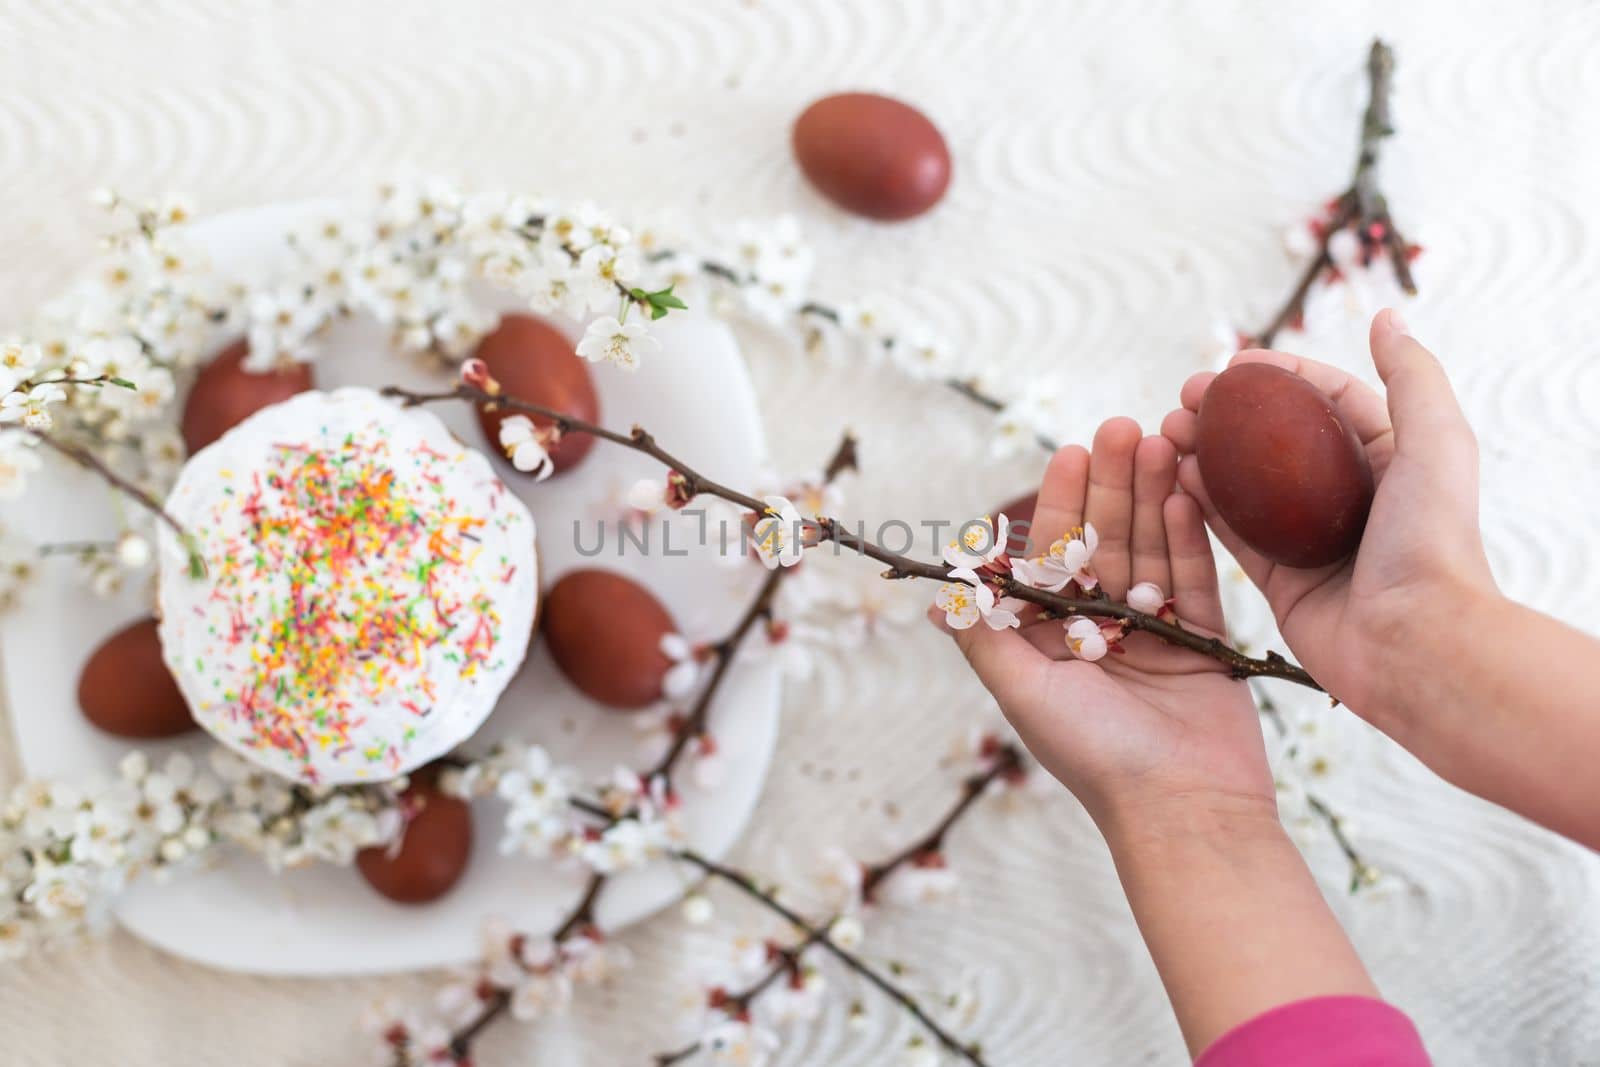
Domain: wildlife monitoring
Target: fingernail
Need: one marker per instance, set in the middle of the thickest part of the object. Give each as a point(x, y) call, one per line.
point(1397, 322)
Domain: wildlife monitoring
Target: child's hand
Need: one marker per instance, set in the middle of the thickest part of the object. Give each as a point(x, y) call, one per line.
point(1165, 751)
point(1137, 733)
point(1421, 558)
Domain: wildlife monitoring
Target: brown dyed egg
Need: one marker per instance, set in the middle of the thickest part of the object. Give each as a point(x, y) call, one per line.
point(433, 850)
point(604, 631)
point(534, 361)
point(1283, 466)
point(126, 689)
point(225, 394)
point(872, 155)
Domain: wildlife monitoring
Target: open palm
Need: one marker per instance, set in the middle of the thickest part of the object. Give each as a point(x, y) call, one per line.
point(1152, 720)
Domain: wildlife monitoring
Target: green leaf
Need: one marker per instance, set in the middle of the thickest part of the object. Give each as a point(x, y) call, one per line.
point(659, 302)
point(124, 383)
point(666, 298)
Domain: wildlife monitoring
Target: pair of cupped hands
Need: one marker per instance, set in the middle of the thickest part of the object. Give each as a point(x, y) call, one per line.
point(1161, 726)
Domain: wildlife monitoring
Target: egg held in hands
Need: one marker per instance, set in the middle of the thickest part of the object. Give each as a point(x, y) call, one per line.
point(1283, 466)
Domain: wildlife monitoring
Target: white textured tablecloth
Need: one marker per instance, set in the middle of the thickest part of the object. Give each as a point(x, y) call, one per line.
point(1123, 173)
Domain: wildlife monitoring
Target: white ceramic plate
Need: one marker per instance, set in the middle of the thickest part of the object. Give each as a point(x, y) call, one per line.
point(326, 921)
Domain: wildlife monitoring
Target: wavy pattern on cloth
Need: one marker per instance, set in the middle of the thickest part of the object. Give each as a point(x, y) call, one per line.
point(1122, 176)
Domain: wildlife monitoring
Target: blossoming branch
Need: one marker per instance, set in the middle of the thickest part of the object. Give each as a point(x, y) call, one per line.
point(70, 848)
point(524, 975)
point(1355, 228)
point(977, 573)
point(859, 887)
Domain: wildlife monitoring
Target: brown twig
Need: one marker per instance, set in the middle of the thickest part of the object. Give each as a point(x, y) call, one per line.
point(827, 529)
point(68, 379)
point(746, 885)
point(1007, 761)
point(580, 918)
point(759, 609)
point(1361, 206)
point(1360, 870)
point(76, 548)
point(693, 726)
point(88, 460)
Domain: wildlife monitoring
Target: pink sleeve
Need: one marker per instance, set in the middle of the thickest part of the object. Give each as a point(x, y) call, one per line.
point(1321, 1032)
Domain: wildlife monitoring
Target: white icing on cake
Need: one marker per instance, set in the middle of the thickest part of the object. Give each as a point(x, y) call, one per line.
point(370, 588)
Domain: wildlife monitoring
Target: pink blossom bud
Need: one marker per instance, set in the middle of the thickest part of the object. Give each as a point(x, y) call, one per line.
point(1146, 597)
point(678, 494)
point(474, 372)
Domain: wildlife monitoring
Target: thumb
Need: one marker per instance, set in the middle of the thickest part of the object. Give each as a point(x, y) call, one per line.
point(1429, 425)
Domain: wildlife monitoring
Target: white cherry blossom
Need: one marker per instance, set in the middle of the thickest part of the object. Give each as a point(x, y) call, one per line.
point(732, 1043)
point(539, 820)
point(798, 1000)
point(18, 566)
point(30, 408)
point(685, 671)
point(282, 324)
point(977, 542)
point(969, 599)
point(697, 909)
point(626, 844)
point(19, 458)
point(925, 881)
point(337, 828)
point(839, 880)
point(1020, 423)
point(17, 362)
point(1085, 638)
point(1068, 560)
point(604, 267)
point(847, 932)
point(535, 995)
point(524, 445)
point(778, 536)
point(133, 550)
point(607, 340)
point(647, 496)
point(922, 356)
point(57, 890)
point(866, 321)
